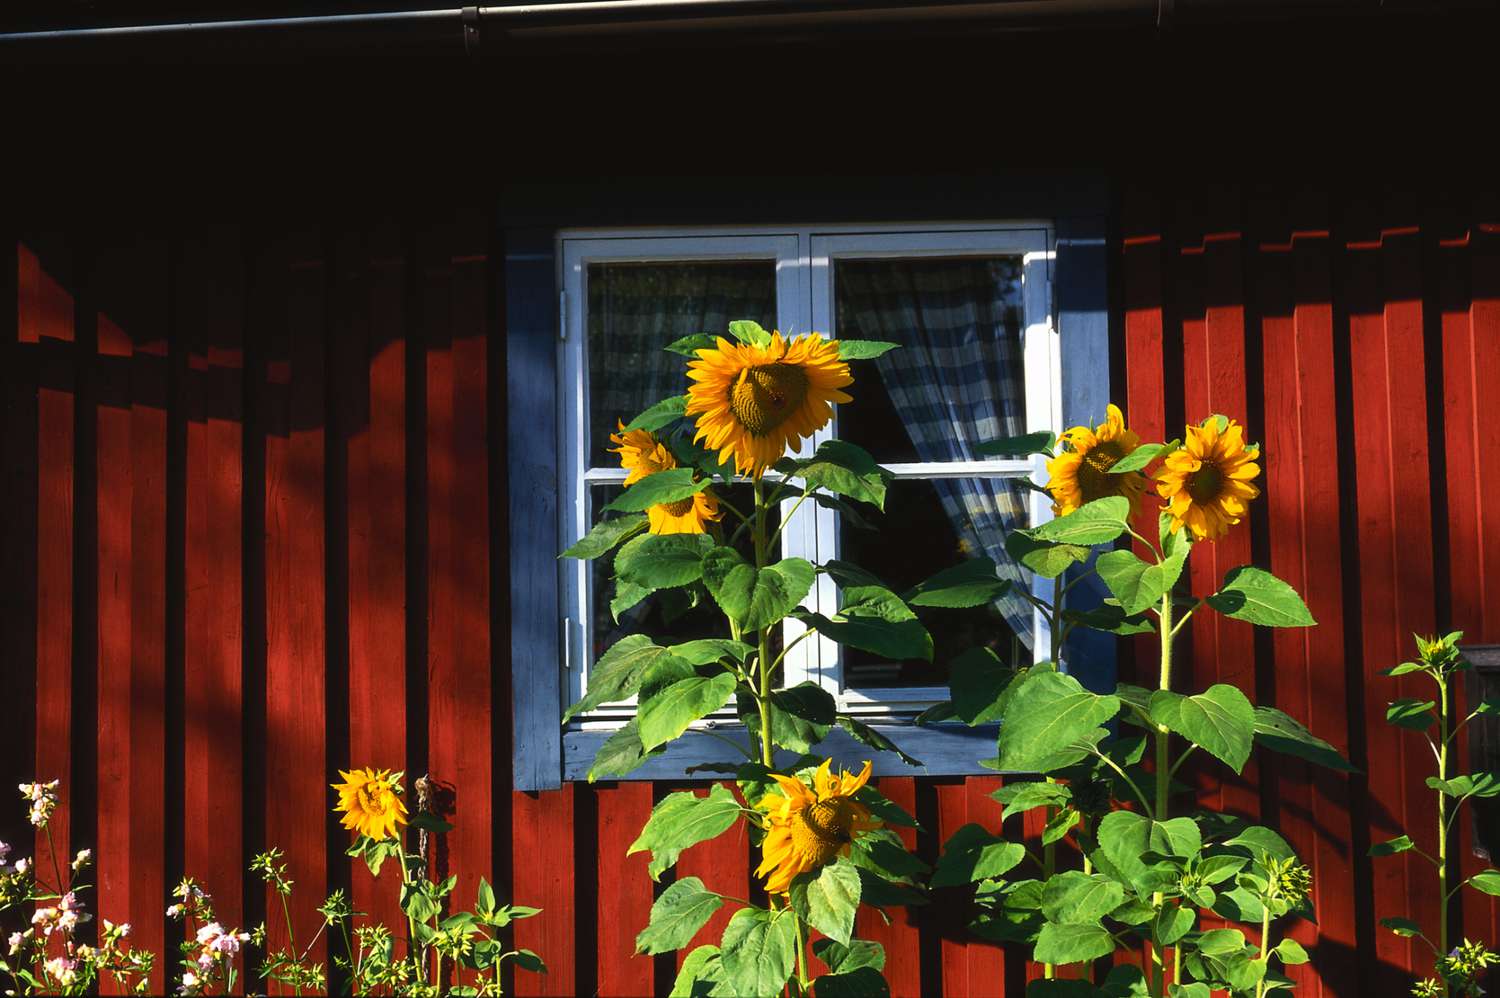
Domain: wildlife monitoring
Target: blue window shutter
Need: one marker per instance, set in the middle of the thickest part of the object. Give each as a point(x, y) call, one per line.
point(532, 482)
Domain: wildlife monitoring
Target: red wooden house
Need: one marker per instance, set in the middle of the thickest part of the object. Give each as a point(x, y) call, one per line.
point(298, 315)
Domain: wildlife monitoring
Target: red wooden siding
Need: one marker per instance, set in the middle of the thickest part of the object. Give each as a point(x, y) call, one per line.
point(256, 498)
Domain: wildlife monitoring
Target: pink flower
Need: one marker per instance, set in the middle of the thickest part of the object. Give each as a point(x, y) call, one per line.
point(16, 941)
point(62, 970)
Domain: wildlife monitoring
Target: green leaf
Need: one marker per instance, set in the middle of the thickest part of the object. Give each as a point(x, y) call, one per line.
point(1403, 927)
point(1124, 982)
point(626, 596)
point(1022, 797)
point(1260, 841)
point(756, 597)
point(968, 584)
point(1291, 952)
point(621, 753)
point(1137, 459)
point(654, 490)
point(604, 535)
point(1172, 924)
point(828, 899)
point(1219, 720)
point(619, 672)
point(1040, 442)
point(1391, 847)
point(1487, 881)
point(1195, 990)
point(973, 854)
point(1127, 839)
point(701, 974)
point(1079, 898)
point(1061, 944)
point(884, 808)
point(747, 331)
point(1097, 522)
point(866, 735)
point(683, 909)
point(666, 411)
point(430, 823)
point(881, 851)
point(1470, 785)
point(842, 468)
point(1416, 715)
point(705, 651)
point(809, 701)
point(1047, 719)
point(792, 728)
point(1110, 618)
point(1136, 584)
point(1249, 593)
point(851, 515)
point(655, 561)
point(1280, 733)
point(688, 346)
point(681, 820)
point(668, 714)
point(875, 620)
point(979, 682)
point(842, 959)
point(529, 960)
point(864, 349)
point(863, 982)
point(1216, 942)
point(1059, 825)
point(1045, 558)
point(757, 952)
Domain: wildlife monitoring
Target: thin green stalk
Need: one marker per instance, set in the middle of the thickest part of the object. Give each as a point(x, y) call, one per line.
point(291, 943)
point(763, 636)
point(1265, 945)
point(56, 870)
point(1049, 851)
point(1163, 760)
point(1442, 818)
point(411, 923)
point(802, 981)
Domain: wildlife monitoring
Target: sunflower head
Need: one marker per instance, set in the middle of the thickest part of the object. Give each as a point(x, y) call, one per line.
point(810, 827)
point(1080, 472)
point(1206, 481)
point(370, 802)
point(752, 401)
point(684, 516)
point(641, 453)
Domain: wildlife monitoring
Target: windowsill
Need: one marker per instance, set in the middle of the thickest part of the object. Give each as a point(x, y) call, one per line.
point(945, 750)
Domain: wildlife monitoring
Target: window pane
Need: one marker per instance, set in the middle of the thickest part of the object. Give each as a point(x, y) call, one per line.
point(671, 615)
point(958, 379)
point(930, 525)
point(636, 309)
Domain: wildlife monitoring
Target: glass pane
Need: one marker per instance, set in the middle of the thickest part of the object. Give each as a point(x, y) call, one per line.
point(636, 309)
point(669, 616)
point(930, 525)
point(958, 379)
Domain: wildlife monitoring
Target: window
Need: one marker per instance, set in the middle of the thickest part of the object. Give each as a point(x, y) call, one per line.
point(970, 306)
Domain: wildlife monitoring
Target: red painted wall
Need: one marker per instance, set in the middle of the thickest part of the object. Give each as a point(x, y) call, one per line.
point(254, 529)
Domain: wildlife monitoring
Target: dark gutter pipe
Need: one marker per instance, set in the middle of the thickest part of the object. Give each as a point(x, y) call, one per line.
point(461, 25)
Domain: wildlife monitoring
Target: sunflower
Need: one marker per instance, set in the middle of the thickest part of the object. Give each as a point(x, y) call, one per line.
point(370, 802)
point(1206, 481)
point(810, 828)
point(641, 453)
point(751, 402)
point(685, 516)
point(1080, 473)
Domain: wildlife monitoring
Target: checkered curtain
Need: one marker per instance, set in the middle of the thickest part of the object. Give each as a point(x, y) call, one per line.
point(635, 309)
point(956, 382)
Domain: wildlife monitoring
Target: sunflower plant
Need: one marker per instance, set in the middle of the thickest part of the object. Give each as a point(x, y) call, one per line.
point(1128, 868)
point(685, 533)
point(1460, 969)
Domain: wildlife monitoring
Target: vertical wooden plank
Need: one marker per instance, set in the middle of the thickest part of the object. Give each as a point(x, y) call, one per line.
point(1395, 567)
point(970, 967)
point(374, 395)
point(624, 896)
point(44, 316)
point(458, 559)
point(722, 866)
point(297, 792)
point(542, 825)
point(1293, 295)
point(901, 939)
point(211, 296)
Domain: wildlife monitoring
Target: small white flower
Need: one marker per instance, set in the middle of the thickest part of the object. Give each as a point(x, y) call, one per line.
point(82, 859)
point(174, 910)
point(22, 865)
point(4, 851)
point(16, 941)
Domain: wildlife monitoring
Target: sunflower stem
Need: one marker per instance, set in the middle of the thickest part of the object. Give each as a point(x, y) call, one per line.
point(763, 636)
point(1163, 763)
point(801, 951)
point(411, 923)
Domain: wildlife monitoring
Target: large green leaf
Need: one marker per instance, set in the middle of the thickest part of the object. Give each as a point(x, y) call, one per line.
point(757, 952)
point(1109, 617)
point(755, 597)
point(1487, 881)
point(621, 753)
point(866, 735)
point(1278, 732)
point(828, 899)
point(627, 595)
point(619, 672)
point(604, 535)
point(749, 331)
point(1063, 944)
point(666, 411)
point(1252, 594)
point(655, 561)
point(861, 982)
point(1410, 713)
point(841, 959)
point(973, 854)
point(875, 620)
point(1132, 842)
point(800, 716)
point(1040, 442)
point(1137, 459)
point(864, 349)
point(701, 976)
point(881, 851)
point(970, 583)
point(683, 909)
point(668, 714)
point(842, 468)
point(688, 346)
point(1219, 720)
point(1081, 898)
point(979, 683)
point(653, 490)
point(1050, 722)
point(1097, 522)
point(1019, 798)
point(1137, 584)
point(681, 820)
point(1046, 558)
point(704, 651)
